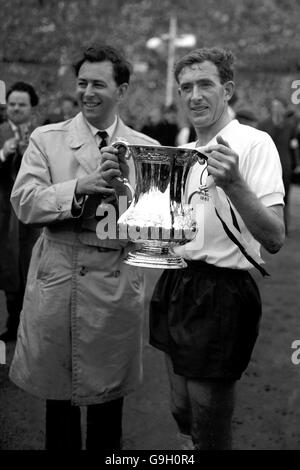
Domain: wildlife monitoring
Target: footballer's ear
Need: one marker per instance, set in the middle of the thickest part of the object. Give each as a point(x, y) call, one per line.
point(229, 89)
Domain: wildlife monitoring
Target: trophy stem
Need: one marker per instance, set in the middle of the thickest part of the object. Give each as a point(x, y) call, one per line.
point(150, 255)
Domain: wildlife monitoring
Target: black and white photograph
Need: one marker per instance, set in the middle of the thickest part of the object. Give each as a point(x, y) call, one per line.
point(149, 228)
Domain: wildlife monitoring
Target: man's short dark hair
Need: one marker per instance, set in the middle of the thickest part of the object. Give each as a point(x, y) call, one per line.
point(222, 59)
point(103, 52)
point(25, 88)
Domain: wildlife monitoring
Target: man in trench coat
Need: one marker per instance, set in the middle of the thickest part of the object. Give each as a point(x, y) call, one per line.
point(80, 335)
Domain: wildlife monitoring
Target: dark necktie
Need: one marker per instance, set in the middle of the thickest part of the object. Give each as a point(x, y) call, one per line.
point(104, 139)
point(103, 143)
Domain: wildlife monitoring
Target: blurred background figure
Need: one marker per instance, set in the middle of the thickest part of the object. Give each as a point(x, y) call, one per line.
point(186, 134)
point(162, 125)
point(3, 116)
point(170, 125)
point(152, 124)
point(17, 239)
point(68, 109)
point(296, 153)
point(281, 126)
point(246, 117)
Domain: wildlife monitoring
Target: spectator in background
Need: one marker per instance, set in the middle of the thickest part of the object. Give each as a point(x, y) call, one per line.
point(185, 135)
point(68, 109)
point(170, 125)
point(3, 116)
point(16, 238)
point(296, 154)
point(246, 117)
point(151, 126)
point(282, 129)
point(162, 125)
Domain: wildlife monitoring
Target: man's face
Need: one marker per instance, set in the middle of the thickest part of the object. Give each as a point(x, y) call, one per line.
point(19, 107)
point(98, 94)
point(204, 96)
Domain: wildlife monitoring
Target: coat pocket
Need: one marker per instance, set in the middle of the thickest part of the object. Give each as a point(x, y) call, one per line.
point(42, 260)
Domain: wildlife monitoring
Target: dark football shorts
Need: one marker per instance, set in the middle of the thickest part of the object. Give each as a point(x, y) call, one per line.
point(206, 318)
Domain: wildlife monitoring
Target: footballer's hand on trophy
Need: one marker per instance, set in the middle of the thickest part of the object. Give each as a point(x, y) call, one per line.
point(10, 147)
point(223, 163)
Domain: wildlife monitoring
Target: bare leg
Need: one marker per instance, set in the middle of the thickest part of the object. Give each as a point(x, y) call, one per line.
point(180, 404)
point(212, 404)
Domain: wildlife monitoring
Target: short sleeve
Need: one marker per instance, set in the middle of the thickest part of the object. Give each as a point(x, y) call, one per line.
point(263, 173)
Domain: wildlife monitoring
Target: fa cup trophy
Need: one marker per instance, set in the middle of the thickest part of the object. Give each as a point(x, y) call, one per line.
point(159, 216)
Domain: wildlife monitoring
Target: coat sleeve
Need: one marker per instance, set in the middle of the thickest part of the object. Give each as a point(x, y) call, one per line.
point(34, 197)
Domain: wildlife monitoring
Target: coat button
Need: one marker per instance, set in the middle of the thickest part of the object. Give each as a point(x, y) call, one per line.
point(83, 271)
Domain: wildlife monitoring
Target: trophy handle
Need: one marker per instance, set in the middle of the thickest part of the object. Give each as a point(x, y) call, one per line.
point(202, 188)
point(201, 157)
point(121, 144)
point(125, 186)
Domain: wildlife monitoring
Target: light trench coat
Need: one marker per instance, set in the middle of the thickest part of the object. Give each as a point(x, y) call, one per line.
point(80, 333)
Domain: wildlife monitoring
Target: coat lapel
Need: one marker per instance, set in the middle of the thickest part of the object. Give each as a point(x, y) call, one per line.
point(83, 144)
point(121, 131)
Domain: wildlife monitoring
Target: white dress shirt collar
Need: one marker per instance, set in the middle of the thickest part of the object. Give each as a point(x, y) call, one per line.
point(110, 130)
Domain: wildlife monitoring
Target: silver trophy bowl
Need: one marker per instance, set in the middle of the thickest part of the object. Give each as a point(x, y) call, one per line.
point(159, 216)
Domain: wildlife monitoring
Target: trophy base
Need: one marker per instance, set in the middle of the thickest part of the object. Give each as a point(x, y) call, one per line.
point(159, 257)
